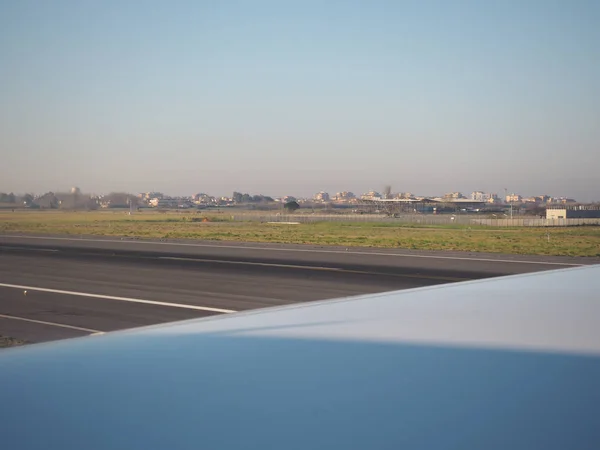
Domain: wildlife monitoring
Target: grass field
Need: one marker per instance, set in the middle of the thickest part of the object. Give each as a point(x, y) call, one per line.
point(575, 241)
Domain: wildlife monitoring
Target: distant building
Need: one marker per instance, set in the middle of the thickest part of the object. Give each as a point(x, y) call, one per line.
point(566, 200)
point(543, 198)
point(167, 202)
point(344, 196)
point(150, 195)
point(513, 198)
point(573, 212)
point(204, 199)
point(405, 195)
point(480, 196)
point(371, 195)
point(561, 200)
point(531, 200)
point(453, 195)
point(154, 202)
point(321, 197)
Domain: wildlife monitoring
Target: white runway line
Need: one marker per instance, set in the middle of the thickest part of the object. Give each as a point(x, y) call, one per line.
point(121, 299)
point(327, 269)
point(61, 325)
point(302, 250)
point(29, 249)
point(250, 263)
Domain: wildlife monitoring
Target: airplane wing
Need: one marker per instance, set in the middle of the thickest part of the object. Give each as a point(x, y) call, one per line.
point(505, 363)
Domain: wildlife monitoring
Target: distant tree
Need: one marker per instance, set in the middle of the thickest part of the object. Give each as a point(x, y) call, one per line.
point(90, 203)
point(119, 200)
point(46, 201)
point(27, 199)
point(11, 198)
point(246, 198)
point(65, 200)
point(536, 210)
point(237, 197)
point(261, 199)
point(291, 206)
point(387, 191)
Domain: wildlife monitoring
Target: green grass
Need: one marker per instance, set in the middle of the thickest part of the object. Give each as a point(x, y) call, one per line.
point(574, 241)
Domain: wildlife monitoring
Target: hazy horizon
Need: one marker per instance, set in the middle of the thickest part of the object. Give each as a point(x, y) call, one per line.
point(291, 98)
point(309, 194)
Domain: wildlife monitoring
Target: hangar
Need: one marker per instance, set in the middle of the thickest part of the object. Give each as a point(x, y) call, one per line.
point(573, 212)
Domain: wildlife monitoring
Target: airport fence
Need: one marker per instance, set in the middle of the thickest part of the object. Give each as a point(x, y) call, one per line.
point(415, 219)
point(533, 222)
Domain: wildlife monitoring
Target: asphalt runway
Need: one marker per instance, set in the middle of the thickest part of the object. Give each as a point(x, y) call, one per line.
point(59, 287)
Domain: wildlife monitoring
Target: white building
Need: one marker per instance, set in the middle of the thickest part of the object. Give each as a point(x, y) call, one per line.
point(321, 197)
point(513, 198)
point(480, 196)
point(371, 195)
point(344, 196)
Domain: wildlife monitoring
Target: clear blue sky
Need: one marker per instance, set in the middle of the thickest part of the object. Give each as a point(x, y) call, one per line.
point(293, 97)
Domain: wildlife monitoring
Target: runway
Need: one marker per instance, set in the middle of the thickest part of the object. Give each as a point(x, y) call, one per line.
point(60, 287)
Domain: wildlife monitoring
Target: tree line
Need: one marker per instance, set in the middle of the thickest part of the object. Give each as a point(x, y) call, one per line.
point(238, 197)
point(68, 200)
point(8, 198)
point(11, 198)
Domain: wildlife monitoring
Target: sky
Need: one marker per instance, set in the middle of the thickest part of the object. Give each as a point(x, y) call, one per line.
point(288, 97)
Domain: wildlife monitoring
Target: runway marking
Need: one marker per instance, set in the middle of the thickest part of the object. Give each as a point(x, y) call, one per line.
point(299, 250)
point(326, 269)
point(29, 249)
point(250, 263)
point(61, 325)
point(121, 299)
